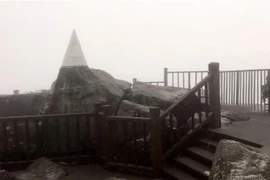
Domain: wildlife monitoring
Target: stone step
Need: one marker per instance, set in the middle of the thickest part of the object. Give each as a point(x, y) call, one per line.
point(193, 167)
point(174, 173)
point(208, 144)
point(201, 155)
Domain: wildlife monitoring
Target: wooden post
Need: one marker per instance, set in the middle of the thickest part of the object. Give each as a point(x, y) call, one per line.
point(99, 121)
point(165, 76)
point(214, 94)
point(157, 155)
point(134, 80)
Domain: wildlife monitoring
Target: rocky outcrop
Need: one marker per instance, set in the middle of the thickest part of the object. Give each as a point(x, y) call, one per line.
point(129, 108)
point(158, 96)
point(237, 161)
point(22, 104)
point(78, 88)
point(4, 175)
point(235, 116)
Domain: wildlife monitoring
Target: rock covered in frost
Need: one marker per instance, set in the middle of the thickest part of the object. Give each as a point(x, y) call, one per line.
point(235, 116)
point(4, 175)
point(159, 96)
point(237, 161)
point(43, 169)
point(78, 88)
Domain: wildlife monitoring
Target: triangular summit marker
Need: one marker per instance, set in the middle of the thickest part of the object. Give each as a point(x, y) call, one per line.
point(74, 55)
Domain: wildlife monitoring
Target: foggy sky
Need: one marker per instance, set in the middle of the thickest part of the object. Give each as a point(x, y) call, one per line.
point(130, 38)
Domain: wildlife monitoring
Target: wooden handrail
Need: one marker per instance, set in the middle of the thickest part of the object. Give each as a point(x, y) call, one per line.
point(192, 91)
point(47, 116)
point(128, 118)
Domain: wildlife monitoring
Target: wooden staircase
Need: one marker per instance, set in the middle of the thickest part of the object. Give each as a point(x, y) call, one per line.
point(195, 161)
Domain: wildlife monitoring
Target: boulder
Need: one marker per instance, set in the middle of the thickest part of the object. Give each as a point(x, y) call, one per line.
point(43, 169)
point(235, 116)
point(129, 108)
point(158, 96)
point(78, 88)
point(237, 161)
point(4, 175)
point(124, 85)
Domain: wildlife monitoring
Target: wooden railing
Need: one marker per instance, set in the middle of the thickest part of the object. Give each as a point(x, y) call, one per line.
point(61, 136)
point(186, 115)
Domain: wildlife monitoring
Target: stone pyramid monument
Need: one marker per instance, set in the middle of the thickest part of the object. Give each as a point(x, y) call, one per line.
point(74, 55)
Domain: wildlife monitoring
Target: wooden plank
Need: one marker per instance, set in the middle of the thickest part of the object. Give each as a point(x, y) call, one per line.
point(27, 139)
point(206, 99)
point(67, 124)
point(200, 113)
point(5, 137)
point(40, 117)
point(38, 139)
point(58, 136)
point(78, 139)
point(171, 128)
point(130, 167)
point(135, 160)
point(128, 119)
point(145, 139)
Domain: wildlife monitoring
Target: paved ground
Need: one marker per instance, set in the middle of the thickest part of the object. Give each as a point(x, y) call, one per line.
point(97, 172)
point(257, 129)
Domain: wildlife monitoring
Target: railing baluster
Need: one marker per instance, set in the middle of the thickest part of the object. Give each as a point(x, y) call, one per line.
point(27, 139)
point(58, 136)
point(78, 139)
point(88, 142)
point(172, 79)
point(192, 122)
point(15, 137)
point(178, 80)
point(200, 113)
point(67, 134)
point(145, 139)
point(134, 143)
point(189, 84)
point(171, 128)
point(206, 100)
point(195, 78)
point(38, 138)
point(5, 137)
point(184, 80)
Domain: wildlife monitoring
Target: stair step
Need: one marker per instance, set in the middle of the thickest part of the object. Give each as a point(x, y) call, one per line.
point(194, 167)
point(202, 155)
point(177, 174)
point(208, 144)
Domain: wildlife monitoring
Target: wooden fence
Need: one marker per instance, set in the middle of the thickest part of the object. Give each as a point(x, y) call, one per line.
point(61, 136)
point(129, 143)
point(238, 87)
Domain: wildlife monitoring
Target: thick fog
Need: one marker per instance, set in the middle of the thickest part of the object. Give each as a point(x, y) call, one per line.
point(130, 38)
